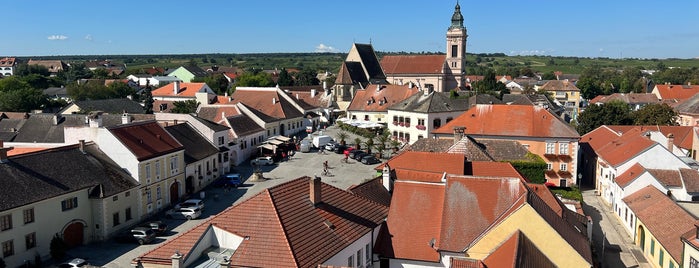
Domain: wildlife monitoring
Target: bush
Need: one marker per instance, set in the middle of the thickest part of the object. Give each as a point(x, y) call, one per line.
point(532, 169)
point(58, 248)
point(572, 193)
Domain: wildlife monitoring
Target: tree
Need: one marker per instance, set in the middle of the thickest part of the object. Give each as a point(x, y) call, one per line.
point(148, 101)
point(57, 248)
point(490, 86)
point(217, 82)
point(24, 69)
point(285, 78)
point(307, 77)
point(260, 79)
point(611, 113)
point(342, 135)
point(357, 143)
point(185, 107)
point(369, 144)
point(17, 96)
point(548, 76)
point(655, 114)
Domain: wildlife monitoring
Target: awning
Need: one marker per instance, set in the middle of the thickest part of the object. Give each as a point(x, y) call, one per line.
point(281, 138)
point(267, 146)
point(275, 142)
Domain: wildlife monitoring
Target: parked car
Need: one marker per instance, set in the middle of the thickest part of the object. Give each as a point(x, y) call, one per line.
point(352, 153)
point(262, 161)
point(140, 235)
point(183, 213)
point(348, 150)
point(370, 159)
point(191, 203)
point(330, 146)
point(74, 263)
point(358, 155)
point(231, 179)
point(340, 148)
point(158, 227)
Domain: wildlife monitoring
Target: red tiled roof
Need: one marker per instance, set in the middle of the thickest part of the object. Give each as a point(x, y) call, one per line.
point(667, 177)
point(428, 162)
point(599, 137)
point(510, 121)
point(630, 98)
point(465, 263)
point(624, 148)
point(545, 194)
point(24, 150)
point(690, 177)
point(663, 218)
point(683, 135)
point(413, 64)
point(677, 92)
point(505, 255)
point(146, 139)
point(559, 85)
point(631, 174)
point(7, 62)
point(416, 175)
point(186, 90)
point(284, 228)
point(370, 100)
point(598, 98)
point(494, 169)
point(266, 100)
point(373, 190)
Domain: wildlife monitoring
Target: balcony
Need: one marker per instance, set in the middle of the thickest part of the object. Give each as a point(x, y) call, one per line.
point(420, 127)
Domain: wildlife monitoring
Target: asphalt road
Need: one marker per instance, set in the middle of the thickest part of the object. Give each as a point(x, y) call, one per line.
point(343, 175)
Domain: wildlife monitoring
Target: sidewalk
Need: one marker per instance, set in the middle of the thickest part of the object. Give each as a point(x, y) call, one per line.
point(619, 248)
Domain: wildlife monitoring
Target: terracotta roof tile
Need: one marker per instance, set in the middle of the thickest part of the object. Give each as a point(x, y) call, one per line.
point(427, 161)
point(690, 177)
point(559, 85)
point(493, 169)
point(669, 178)
point(624, 148)
point(465, 263)
point(146, 139)
point(266, 100)
point(599, 137)
point(217, 113)
point(186, 90)
point(509, 120)
point(678, 92)
point(417, 175)
point(371, 100)
point(24, 150)
point(629, 175)
point(683, 135)
point(413, 64)
point(663, 218)
point(373, 190)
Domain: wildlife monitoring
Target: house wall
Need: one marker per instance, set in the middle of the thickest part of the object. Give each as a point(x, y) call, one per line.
point(687, 120)
point(437, 81)
point(49, 219)
point(112, 147)
point(379, 117)
point(414, 133)
point(623, 213)
point(395, 263)
point(71, 109)
point(182, 74)
point(163, 182)
point(653, 256)
point(103, 210)
point(199, 168)
point(544, 237)
point(340, 259)
point(690, 254)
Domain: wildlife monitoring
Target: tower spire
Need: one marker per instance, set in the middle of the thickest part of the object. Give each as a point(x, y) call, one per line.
point(457, 20)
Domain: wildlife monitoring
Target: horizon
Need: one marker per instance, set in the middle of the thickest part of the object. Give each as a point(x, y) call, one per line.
point(620, 29)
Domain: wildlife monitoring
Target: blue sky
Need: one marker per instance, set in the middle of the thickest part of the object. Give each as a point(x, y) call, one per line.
point(592, 28)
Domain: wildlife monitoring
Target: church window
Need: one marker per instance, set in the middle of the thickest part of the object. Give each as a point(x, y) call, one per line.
point(454, 51)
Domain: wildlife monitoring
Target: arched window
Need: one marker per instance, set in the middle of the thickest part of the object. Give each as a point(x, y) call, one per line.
point(436, 123)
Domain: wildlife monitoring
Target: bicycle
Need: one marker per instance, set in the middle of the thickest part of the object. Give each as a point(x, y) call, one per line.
point(326, 173)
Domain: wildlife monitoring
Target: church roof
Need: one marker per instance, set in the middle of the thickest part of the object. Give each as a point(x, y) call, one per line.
point(413, 64)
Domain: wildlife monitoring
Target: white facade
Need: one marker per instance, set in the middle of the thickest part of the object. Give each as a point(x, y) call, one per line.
point(412, 123)
point(357, 252)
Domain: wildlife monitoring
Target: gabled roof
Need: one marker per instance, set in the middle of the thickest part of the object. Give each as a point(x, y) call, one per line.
point(666, 177)
point(431, 102)
point(369, 61)
point(503, 150)
point(427, 161)
point(677, 92)
point(559, 85)
point(470, 148)
point(307, 99)
point(630, 175)
point(186, 90)
point(351, 73)
point(683, 135)
point(195, 70)
point(7, 62)
point(630, 98)
point(54, 66)
point(196, 147)
point(413, 64)
point(624, 148)
point(518, 251)
point(689, 106)
point(663, 218)
point(112, 106)
point(492, 169)
point(690, 178)
point(284, 228)
point(510, 121)
point(46, 128)
point(38, 176)
point(599, 137)
point(243, 125)
point(210, 124)
point(146, 139)
point(373, 190)
point(372, 100)
point(266, 100)
point(217, 113)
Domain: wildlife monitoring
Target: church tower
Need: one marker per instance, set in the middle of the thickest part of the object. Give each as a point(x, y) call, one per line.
point(456, 45)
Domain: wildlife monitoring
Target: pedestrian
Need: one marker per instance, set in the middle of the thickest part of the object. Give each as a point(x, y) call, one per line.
point(284, 156)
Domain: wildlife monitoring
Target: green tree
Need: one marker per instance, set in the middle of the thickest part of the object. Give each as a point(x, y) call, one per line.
point(17, 96)
point(185, 107)
point(58, 248)
point(490, 86)
point(261, 79)
point(100, 73)
point(148, 101)
point(342, 135)
point(74, 73)
point(611, 113)
point(357, 143)
point(217, 82)
point(548, 76)
point(307, 77)
point(24, 69)
point(369, 144)
point(285, 78)
point(655, 114)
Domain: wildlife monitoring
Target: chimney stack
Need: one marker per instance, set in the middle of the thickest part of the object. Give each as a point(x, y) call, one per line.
point(458, 134)
point(670, 141)
point(410, 84)
point(274, 100)
point(3, 152)
point(82, 146)
point(325, 85)
point(315, 194)
point(125, 118)
point(378, 88)
point(313, 93)
point(386, 178)
point(176, 87)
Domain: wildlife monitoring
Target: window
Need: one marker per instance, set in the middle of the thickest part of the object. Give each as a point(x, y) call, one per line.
point(149, 198)
point(350, 261)
point(359, 257)
point(550, 148)
point(8, 248)
point(549, 166)
point(115, 219)
point(454, 51)
point(421, 122)
point(395, 118)
point(28, 215)
point(157, 193)
point(367, 251)
point(127, 194)
point(6, 222)
point(652, 247)
point(220, 140)
point(69, 204)
point(661, 256)
point(147, 171)
point(564, 167)
point(672, 264)
point(127, 214)
point(693, 263)
point(562, 149)
point(30, 240)
point(115, 198)
point(436, 123)
point(173, 165)
point(157, 169)
point(366, 117)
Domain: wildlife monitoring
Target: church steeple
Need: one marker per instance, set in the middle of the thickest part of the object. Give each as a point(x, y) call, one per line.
point(457, 20)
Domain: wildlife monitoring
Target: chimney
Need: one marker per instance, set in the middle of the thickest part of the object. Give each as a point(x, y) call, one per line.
point(225, 94)
point(56, 119)
point(313, 93)
point(670, 141)
point(297, 96)
point(378, 88)
point(82, 146)
point(315, 194)
point(410, 84)
point(386, 178)
point(458, 134)
point(223, 115)
point(125, 118)
point(3, 152)
point(274, 100)
point(176, 87)
point(325, 85)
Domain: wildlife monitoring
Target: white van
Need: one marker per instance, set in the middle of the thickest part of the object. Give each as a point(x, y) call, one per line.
point(320, 141)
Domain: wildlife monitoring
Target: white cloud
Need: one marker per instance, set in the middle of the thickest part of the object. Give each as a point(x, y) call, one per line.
point(88, 37)
point(57, 37)
point(322, 48)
